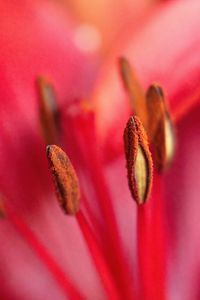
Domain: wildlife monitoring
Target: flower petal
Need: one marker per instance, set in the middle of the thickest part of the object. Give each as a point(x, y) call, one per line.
point(166, 50)
point(182, 204)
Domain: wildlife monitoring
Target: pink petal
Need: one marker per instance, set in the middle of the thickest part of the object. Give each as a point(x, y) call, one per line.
point(182, 203)
point(109, 18)
point(166, 50)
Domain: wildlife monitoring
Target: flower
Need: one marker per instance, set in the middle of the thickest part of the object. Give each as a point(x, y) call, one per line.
point(93, 255)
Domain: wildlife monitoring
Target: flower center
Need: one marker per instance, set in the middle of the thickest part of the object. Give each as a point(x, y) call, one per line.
point(150, 115)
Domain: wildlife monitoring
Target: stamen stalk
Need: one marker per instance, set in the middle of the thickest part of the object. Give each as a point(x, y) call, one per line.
point(99, 260)
point(152, 249)
point(113, 240)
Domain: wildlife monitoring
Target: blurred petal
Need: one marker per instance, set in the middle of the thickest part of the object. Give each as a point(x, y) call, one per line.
point(109, 17)
point(182, 203)
point(22, 274)
point(166, 50)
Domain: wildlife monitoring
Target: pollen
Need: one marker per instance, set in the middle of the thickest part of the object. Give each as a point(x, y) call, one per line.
point(138, 160)
point(65, 179)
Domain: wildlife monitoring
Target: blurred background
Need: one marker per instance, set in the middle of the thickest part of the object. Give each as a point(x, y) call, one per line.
point(103, 21)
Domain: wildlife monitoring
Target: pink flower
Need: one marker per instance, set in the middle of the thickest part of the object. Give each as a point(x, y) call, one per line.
point(94, 255)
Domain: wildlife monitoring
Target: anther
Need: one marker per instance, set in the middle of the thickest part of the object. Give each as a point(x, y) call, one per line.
point(160, 128)
point(65, 179)
point(134, 90)
point(49, 114)
point(138, 159)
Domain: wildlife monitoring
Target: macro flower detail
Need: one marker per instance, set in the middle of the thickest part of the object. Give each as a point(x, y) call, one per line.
point(105, 246)
point(151, 109)
point(139, 166)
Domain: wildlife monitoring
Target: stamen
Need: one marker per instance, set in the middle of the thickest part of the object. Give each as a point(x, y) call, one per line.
point(152, 246)
point(112, 239)
point(65, 179)
point(134, 90)
point(160, 128)
point(49, 114)
point(63, 175)
point(139, 162)
point(99, 260)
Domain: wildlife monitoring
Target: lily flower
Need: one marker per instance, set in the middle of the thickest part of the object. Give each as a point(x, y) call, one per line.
point(104, 245)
